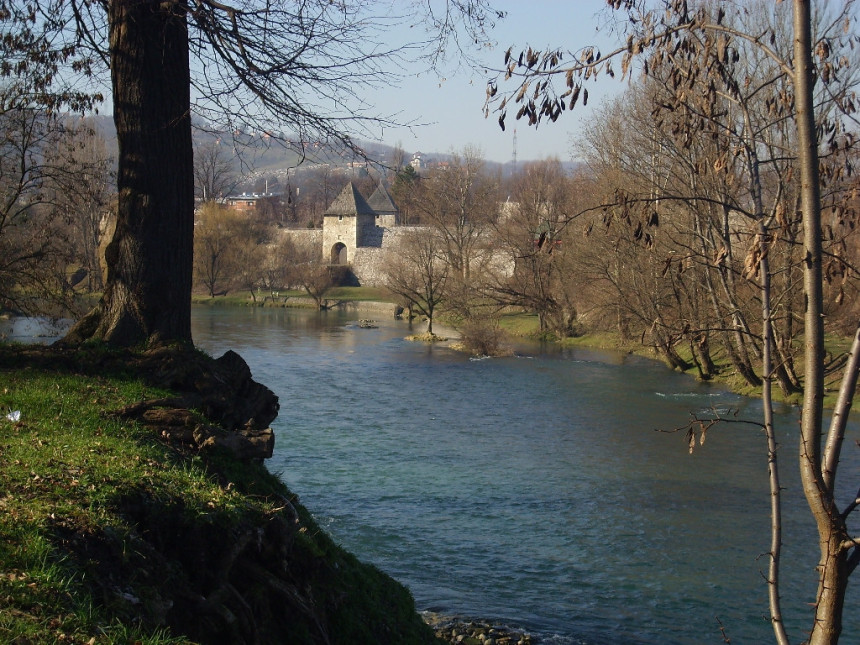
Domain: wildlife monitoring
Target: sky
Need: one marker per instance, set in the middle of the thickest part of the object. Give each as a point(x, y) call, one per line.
point(453, 105)
point(449, 104)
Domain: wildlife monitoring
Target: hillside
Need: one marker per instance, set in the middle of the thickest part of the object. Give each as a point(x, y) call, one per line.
point(262, 157)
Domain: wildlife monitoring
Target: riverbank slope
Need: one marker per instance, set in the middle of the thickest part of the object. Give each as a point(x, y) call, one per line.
point(120, 524)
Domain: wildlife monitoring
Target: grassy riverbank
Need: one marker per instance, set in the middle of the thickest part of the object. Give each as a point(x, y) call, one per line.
point(109, 533)
point(528, 326)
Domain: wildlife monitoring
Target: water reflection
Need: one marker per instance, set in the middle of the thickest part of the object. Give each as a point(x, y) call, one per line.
point(25, 329)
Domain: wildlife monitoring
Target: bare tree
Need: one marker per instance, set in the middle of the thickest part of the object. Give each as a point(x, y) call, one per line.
point(530, 233)
point(305, 268)
point(217, 234)
point(460, 200)
point(406, 193)
point(35, 237)
point(418, 271)
point(272, 269)
point(256, 265)
point(214, 174)
point(702, 42)
point(319, 186)
point(83, 194)
point(398, 158)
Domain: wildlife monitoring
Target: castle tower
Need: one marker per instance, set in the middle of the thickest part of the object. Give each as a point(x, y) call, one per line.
point(387, 213)
point(346, 225)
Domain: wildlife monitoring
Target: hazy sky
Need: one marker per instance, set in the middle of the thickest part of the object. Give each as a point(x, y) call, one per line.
point(454, 105)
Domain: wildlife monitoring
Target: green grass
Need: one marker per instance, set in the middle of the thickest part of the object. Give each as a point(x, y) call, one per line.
point(524, 325)
point(358, 294)
point(84, 495)
point(236, 299)
point(62, 466)
point(290, 297)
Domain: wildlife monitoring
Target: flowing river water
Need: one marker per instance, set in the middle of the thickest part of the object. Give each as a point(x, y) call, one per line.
point(532, 490)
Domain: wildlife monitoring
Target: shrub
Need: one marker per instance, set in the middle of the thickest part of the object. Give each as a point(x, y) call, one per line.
point(483, 337)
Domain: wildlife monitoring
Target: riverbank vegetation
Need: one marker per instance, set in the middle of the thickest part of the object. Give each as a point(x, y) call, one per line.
point(115, 533)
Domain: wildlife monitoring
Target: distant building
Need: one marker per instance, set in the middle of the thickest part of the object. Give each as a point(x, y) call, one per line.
point(360, 232)
point(246, 203)
point(418, 161)
point(387, 213)
point(364, 233)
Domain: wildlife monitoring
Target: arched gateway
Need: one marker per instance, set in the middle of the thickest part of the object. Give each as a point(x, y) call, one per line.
point(339, 254)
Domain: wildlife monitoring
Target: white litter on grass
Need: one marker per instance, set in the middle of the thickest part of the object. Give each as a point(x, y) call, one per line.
point(14, 416)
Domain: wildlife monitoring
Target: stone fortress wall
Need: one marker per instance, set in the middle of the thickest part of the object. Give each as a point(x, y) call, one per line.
point(363, 234)
point(368, 263)
point(304, 236)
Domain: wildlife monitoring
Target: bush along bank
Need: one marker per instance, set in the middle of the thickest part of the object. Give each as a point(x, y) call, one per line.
point(134, 507)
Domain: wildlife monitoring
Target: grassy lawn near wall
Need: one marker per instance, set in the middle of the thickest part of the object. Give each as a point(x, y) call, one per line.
point(289, 297)
point(373, 294)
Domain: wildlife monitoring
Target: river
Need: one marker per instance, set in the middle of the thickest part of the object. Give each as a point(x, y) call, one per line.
point(531, 490)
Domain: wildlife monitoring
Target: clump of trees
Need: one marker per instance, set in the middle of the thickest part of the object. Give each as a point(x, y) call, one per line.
point(496, 245)
point(305, 268)
point(224, 245)
point(538, 249)
point(417, 272)
point(236, 250)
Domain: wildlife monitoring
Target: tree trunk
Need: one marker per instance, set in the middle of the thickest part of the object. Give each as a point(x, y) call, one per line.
point(737, 354)
point(147, 295)
point(666, 347)
point(783, 378)
point(818, 484)
point(700, 350)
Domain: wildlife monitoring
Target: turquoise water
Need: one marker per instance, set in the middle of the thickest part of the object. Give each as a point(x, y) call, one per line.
point(532, 490)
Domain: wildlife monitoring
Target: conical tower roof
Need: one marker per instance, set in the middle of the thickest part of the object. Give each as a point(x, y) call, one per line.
point(381, 201)
point(349, 202)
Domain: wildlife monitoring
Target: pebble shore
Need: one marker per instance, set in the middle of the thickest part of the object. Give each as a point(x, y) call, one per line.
point(458, 631)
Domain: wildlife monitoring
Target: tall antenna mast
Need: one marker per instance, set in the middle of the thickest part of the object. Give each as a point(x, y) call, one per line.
point(514, 155)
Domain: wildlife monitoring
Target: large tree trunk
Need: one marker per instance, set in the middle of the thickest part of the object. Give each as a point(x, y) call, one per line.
point(147, 296)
